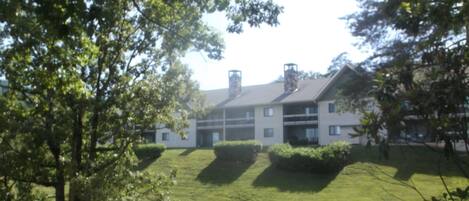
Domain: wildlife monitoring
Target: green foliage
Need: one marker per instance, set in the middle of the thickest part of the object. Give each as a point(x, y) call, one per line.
point(457, 195)
point(82, 74)
point(337, 63)
point(244, 151)
point(370, 126)
point(303, 75)
point(420, 64)
point(19, 191)
point(421, 70)
point(119, 183)
point(149, 151)
point(354, 94)
point(327, 159)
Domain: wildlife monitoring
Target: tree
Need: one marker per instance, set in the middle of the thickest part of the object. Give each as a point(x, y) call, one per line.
point(354, 94)
point(81, 74)
point(337, 63)
point(303, 75)
point(420, 65)
point(421, 57)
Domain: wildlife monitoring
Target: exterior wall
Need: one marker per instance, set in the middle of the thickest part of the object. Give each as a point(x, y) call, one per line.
point(175, 140)
point(344, 120)
point(325, 119)
point(275, 122)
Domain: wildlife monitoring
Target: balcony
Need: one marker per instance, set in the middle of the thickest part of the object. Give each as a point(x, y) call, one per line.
point(209, 124)
point(300, 119)
point(239, 122)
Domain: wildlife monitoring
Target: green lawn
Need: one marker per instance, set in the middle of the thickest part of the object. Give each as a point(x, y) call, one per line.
point(202, 178)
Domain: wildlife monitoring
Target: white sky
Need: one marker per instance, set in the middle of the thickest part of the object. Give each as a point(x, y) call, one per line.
point(310, 34)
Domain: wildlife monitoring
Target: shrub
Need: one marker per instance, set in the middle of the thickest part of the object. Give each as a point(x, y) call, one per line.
point(325, 159)
point(149, 151)
point(245, 151)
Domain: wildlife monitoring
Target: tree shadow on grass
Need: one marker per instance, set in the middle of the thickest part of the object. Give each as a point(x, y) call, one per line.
point(408, 160)
point(187, 151)
point(222, 172)
point(293, 181)
point(144, 162)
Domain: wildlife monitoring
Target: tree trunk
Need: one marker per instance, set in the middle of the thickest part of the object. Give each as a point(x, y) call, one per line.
point(54, 146)
point(60, 177)
point(60, 188)
point(74, 191)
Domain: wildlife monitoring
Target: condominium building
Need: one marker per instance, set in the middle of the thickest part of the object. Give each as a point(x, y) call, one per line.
point(294, 111)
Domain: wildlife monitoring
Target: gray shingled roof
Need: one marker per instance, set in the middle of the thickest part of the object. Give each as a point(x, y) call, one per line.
point(273, 93)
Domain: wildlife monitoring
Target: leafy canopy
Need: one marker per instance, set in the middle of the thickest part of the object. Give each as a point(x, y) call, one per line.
point(420, 63)
point(83, 74)
point(420, 72)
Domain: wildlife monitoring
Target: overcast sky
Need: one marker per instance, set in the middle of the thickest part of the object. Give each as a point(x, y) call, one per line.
point(310, 34)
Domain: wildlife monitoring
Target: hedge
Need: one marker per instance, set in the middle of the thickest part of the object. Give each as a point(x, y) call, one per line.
point(244, 151)
point(325, 159)
point(149, 151)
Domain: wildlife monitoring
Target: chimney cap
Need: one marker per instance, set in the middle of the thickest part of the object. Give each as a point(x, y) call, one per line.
point(234, 71)
point(288, 66)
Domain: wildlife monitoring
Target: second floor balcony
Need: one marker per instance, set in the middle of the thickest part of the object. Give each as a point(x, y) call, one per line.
point(210, 123)
point(239, 122)
point(300, 119)
point(300, 114)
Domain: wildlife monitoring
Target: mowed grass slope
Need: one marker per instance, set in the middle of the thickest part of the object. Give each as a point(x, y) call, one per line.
point(201, 177)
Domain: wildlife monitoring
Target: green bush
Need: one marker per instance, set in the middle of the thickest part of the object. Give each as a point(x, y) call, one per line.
point(325, 159)
point(245, 151)
point(149, 151)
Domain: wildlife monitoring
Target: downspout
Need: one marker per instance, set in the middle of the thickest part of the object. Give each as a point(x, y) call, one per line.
point(224, 124)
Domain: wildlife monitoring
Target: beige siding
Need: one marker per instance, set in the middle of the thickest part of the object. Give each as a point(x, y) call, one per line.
point(275, 122)
point(345, 120)
point(175, 140)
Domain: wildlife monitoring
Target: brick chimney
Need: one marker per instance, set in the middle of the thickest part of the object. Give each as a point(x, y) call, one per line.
point(234, 77)
point(290, 74)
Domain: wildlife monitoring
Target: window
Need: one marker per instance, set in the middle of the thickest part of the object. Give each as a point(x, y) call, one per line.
point(331, 107)
point(312, 135)
point(311, 110)
point(268, 132)
point(165, 136)
point(334, 130)
point(248, 115)
point(268, 112)
point(215, 137)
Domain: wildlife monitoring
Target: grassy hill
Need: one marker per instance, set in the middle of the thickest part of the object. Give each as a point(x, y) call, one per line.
point(200, 177)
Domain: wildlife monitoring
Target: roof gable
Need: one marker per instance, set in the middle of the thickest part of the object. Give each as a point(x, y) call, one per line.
point(329, 89)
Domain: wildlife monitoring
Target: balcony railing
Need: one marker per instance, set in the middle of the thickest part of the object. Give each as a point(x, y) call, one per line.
point(209, 123)
point(229, 123)
point(300, 119)
point(240, 122)
point(301, 115)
